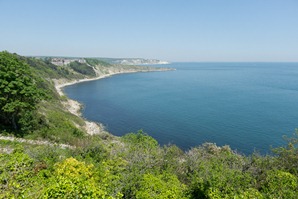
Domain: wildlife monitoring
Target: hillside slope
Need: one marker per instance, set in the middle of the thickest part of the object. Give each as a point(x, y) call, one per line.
point(58, 113)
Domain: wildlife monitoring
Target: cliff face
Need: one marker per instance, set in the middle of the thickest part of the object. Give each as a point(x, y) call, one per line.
point(95, 69)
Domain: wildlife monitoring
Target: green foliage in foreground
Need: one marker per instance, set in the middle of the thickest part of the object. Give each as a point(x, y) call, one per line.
point(160, 186)
point(75, 179)
point(133, 170)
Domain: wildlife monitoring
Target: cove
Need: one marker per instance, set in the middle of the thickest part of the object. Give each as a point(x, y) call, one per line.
point(248, 106)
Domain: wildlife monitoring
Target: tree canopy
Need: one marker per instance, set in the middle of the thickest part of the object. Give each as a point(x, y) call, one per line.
point(19, 93)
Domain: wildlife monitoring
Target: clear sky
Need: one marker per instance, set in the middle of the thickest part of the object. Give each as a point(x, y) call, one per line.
point(174, 30)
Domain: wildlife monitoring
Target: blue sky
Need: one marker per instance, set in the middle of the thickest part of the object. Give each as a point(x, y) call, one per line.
point(174, 30)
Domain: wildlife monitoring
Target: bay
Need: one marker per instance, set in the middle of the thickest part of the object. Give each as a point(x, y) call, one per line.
point(248, 106)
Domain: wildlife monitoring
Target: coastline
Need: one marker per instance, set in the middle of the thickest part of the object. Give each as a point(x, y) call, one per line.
point(74, 107)
point(59, 86)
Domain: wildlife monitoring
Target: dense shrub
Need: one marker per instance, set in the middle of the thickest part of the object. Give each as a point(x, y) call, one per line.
point(160, 186)
point(74, 179)
point(16, 174)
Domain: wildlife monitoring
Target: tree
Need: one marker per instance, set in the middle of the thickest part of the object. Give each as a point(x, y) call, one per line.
point(19, 93)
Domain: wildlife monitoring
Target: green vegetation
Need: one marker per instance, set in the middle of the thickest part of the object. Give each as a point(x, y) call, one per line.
point(82, 68)
point(47, 69)
point(19, 93)
point(95, 62)
point(104, 166)
point(129, 170)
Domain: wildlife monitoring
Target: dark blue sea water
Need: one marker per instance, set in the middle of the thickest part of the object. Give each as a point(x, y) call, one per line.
point(245, 105)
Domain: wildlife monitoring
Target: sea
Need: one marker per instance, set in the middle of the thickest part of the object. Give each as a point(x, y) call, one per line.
point(248, 106)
